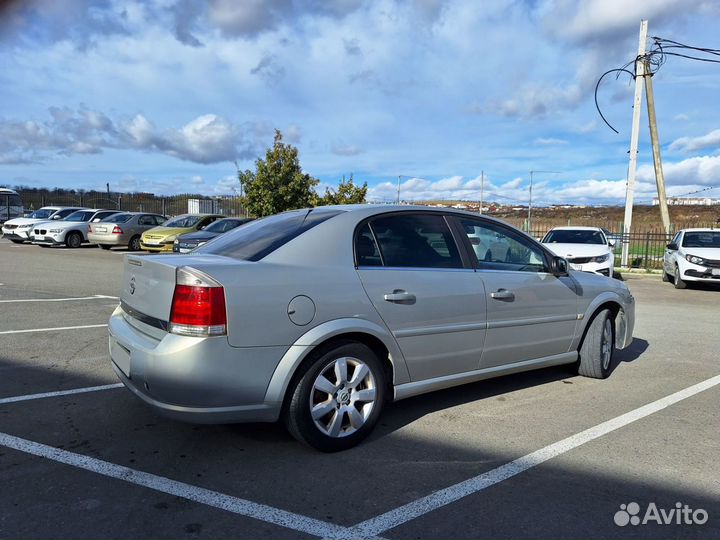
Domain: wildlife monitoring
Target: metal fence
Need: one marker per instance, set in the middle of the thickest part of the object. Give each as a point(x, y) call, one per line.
point(229, 205)
point(645, 249)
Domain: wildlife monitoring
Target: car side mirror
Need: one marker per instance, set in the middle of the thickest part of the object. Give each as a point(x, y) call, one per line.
point(559, 267)
point(611, 243)
point(672, 246)
point(56, 217)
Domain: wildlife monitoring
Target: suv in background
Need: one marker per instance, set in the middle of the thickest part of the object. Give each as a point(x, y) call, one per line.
point(18, 230)
point(71, 231)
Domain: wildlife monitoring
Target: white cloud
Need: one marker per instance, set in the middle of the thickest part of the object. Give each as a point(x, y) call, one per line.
point(549, 141)
point(346, 149)
point(693, 144)
point(197, 180)
point(206, 139)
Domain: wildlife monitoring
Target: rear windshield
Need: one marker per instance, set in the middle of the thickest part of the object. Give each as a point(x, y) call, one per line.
point(702, 239)
point(117, 218)
point(574, 237)
point(182, 222)
point(259, 238)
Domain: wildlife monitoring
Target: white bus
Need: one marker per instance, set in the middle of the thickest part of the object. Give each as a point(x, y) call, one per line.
point(11, 205)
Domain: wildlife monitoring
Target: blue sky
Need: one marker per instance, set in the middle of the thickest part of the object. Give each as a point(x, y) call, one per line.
point(165, 96)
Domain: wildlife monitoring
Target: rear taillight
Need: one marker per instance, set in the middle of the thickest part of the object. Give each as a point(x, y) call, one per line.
point(117, 230)
point(198, 306)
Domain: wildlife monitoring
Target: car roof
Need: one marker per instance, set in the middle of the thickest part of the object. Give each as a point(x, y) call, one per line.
point(700, 229)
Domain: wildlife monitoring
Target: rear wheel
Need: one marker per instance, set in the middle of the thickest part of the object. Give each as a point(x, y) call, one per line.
point(596, 351)
point(74, 240)
point(677, 280)
point(103, 246)
point(134, 244)
point(336, 399)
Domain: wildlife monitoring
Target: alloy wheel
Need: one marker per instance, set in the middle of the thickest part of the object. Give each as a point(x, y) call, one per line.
point(606, 344)
point(343, 397)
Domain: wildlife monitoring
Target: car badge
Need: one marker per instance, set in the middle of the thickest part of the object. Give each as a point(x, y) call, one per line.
point(132, 285)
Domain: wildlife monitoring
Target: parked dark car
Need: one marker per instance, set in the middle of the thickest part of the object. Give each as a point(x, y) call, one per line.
point(189, 241)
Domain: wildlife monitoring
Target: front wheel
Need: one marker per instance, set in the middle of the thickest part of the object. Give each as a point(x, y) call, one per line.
point(336, 399)
point(74, 240)
point(596, 351)
point(677, 280)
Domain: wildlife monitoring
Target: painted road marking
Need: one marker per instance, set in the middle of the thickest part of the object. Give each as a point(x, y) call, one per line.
point(29, 397)
point(53, 329)
point(200, 495)
point(93, 297)
point(420, 507)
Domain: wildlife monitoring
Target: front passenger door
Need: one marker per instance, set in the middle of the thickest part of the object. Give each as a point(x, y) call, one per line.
point(531, 313)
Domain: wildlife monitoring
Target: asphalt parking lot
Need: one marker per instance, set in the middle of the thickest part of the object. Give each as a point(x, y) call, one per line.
point(545, 454)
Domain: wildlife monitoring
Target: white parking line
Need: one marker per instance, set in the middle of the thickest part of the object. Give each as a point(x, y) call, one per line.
point(200, 495)
point(420, 507)
point(53, 329)
point(93, 297)
point(57, 393)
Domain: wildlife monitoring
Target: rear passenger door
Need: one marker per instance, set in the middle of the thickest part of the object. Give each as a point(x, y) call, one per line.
point(425, 290)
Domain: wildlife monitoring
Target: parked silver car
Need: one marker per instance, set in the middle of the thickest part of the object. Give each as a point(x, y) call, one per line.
point(124, 229)
point(320, 316)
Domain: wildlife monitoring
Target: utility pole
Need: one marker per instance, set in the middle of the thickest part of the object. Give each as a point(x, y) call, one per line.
point(655, 139)
point(634, 136)
point(398, 190)
point(529, 218)
point(482, 188)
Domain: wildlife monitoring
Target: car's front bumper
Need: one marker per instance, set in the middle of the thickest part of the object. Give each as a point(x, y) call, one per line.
point(15, 234)
point(48, 239)
point(695, 272)
point(156, 247)
point(603, 268)
point(200, 380)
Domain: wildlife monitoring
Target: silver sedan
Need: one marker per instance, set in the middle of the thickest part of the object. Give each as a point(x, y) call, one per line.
point(319, 317)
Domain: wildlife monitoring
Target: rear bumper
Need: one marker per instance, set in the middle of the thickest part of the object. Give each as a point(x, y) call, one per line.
point(108, 239)
point(199, 380)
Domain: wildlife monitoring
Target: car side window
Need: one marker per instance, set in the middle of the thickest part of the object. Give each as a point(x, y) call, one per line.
point(416, 241)
point(497, 248)
point(66, 212)
point(676, 240)
point(366, 249)
point(146, 220)
point(159, 220)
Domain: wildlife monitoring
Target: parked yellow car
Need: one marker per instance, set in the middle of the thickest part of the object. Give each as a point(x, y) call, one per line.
point(159, 239)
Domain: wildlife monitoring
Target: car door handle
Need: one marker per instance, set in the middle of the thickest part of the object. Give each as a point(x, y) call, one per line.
point(399, 296)
point(503, 294)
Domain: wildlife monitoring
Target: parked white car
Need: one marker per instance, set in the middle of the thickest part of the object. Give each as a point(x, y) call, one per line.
point(585, 248)
point(693, 255)
point(18, 230)
point(71, 231)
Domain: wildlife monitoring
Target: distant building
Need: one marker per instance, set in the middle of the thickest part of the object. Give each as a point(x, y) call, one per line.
point(687, 201)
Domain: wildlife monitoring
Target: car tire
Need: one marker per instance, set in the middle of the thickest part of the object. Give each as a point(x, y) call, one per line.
point(665, 276)
point(104, 246)
point(331, 407)
point(598, 346)
point(16, 241)
point(74, 240)
point(134, 243)
point(677, 280)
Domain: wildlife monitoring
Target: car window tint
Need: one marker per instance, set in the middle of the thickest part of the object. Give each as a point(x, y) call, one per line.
point(366, 249)
point(676, 240)
point(498, 248)
point(183, 222)
point(701, 239)
point(159, 220)
point(261, 237)
point(146, 220)
point(416, 240)
point(103, 215)
point(562, 236)
point(117, 218)
point(65, 213)
point(81, 216)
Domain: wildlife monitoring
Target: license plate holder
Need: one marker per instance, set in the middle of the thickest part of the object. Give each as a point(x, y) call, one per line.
point(121, 356)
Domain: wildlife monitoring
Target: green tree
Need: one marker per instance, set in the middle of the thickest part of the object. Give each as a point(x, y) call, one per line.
point(347, 193)
point(278, 182)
